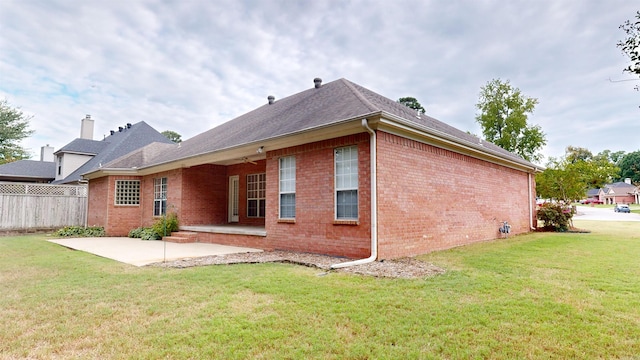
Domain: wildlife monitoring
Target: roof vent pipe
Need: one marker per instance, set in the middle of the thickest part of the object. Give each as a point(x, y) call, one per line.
point(271, 99)
point(317, 82)
point(112, 132)
point(128, 125)
point(120, 129)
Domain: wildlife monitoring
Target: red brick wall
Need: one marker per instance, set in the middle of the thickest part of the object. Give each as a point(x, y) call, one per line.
point(117, 220)
point(258, 242)
point(431, 199)
point(98, 202)
point(314, 229)
point(204, 195)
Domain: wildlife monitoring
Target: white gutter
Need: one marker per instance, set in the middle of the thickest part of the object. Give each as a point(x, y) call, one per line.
point(374, 204)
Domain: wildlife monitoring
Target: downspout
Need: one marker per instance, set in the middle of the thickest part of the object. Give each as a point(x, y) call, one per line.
point(530, 205)
point(374, 204)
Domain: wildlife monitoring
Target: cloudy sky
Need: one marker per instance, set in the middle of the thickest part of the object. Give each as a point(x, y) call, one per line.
point(190, 65)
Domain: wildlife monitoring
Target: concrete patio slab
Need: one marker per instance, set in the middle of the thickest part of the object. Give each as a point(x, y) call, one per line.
point(143, 252)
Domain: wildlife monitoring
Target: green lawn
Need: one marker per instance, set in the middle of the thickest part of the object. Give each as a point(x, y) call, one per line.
point(528, 297)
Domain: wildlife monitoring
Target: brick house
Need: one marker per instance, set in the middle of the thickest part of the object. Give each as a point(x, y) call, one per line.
point(336, 169)
point(622, 192)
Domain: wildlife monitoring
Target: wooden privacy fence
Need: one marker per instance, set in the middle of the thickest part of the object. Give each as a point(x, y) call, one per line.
point(29, 207)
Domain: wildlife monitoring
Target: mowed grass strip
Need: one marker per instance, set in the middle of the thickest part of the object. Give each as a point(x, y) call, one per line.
point(541, 295)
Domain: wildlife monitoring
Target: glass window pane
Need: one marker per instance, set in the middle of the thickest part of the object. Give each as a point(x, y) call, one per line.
point(347, 204)
point(288, 206)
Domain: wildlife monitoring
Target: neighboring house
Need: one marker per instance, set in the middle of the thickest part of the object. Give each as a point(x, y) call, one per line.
point(593, 194)
point(30, 171)
point(622, 192)
point(81, 155)
point(336, 169)
point(85, 154)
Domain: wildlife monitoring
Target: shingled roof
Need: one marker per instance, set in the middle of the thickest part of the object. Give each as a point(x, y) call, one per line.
point(114, 146)
point(334, 103)
point(28, 170)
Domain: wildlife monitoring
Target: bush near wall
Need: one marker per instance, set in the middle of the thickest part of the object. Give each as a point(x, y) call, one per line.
point(556, 216)
point(157, 231)
point(80, 231)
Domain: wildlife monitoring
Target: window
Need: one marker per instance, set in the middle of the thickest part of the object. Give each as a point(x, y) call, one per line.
point(59, 165)
point(346, 161)
point(288, 187)
point(256, 191)
point(159, 196)
point(127, 192)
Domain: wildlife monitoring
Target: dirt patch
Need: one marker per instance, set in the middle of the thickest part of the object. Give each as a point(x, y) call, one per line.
point(405, 268)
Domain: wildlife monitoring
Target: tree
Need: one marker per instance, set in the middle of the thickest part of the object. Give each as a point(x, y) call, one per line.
point(172, 135)
point(614, 156)
point(14, 127)
point(574, 154)
point(630, 167)
point(568, 179)
point(630, 46)
point(503, 117)
point(412, 103)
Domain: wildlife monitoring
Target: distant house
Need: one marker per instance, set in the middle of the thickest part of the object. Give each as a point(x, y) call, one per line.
point(622, 192)
point(81, 155)
point(593, 194)
point(336, 169)
point(32, 171)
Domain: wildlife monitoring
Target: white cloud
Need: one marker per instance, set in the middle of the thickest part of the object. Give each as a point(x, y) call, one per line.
point(188, 66)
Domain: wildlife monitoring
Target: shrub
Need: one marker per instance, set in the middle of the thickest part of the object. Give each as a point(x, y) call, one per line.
point(144, 233)
point(136, 233)
point(149, 234)
point(80, 231)
point(157, 230)
point(171, 223)
point(556, 216)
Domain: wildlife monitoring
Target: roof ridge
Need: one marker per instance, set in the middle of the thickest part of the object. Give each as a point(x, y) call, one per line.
point(359, 95)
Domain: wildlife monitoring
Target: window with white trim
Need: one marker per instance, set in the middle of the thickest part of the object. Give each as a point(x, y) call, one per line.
point(256, 194)
point(288, 187)
point(127, 192)
point(159, 196)
point(346, 173)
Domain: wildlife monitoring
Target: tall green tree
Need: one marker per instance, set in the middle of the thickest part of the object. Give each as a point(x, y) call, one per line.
point(613, 156)
point(569, 177)
point(504, 114)
point(172, 135)
point(412, 103)
point(14, 127)
point(630, 167)
point(630, 46)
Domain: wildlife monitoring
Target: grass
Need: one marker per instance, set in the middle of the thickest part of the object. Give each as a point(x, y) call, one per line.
point(542, 295)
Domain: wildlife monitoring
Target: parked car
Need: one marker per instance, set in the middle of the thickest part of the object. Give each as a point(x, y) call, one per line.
point(622, 208)
point(590, 201)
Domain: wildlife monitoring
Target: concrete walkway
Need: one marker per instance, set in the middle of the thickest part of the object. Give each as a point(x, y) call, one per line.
point(143, 252)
